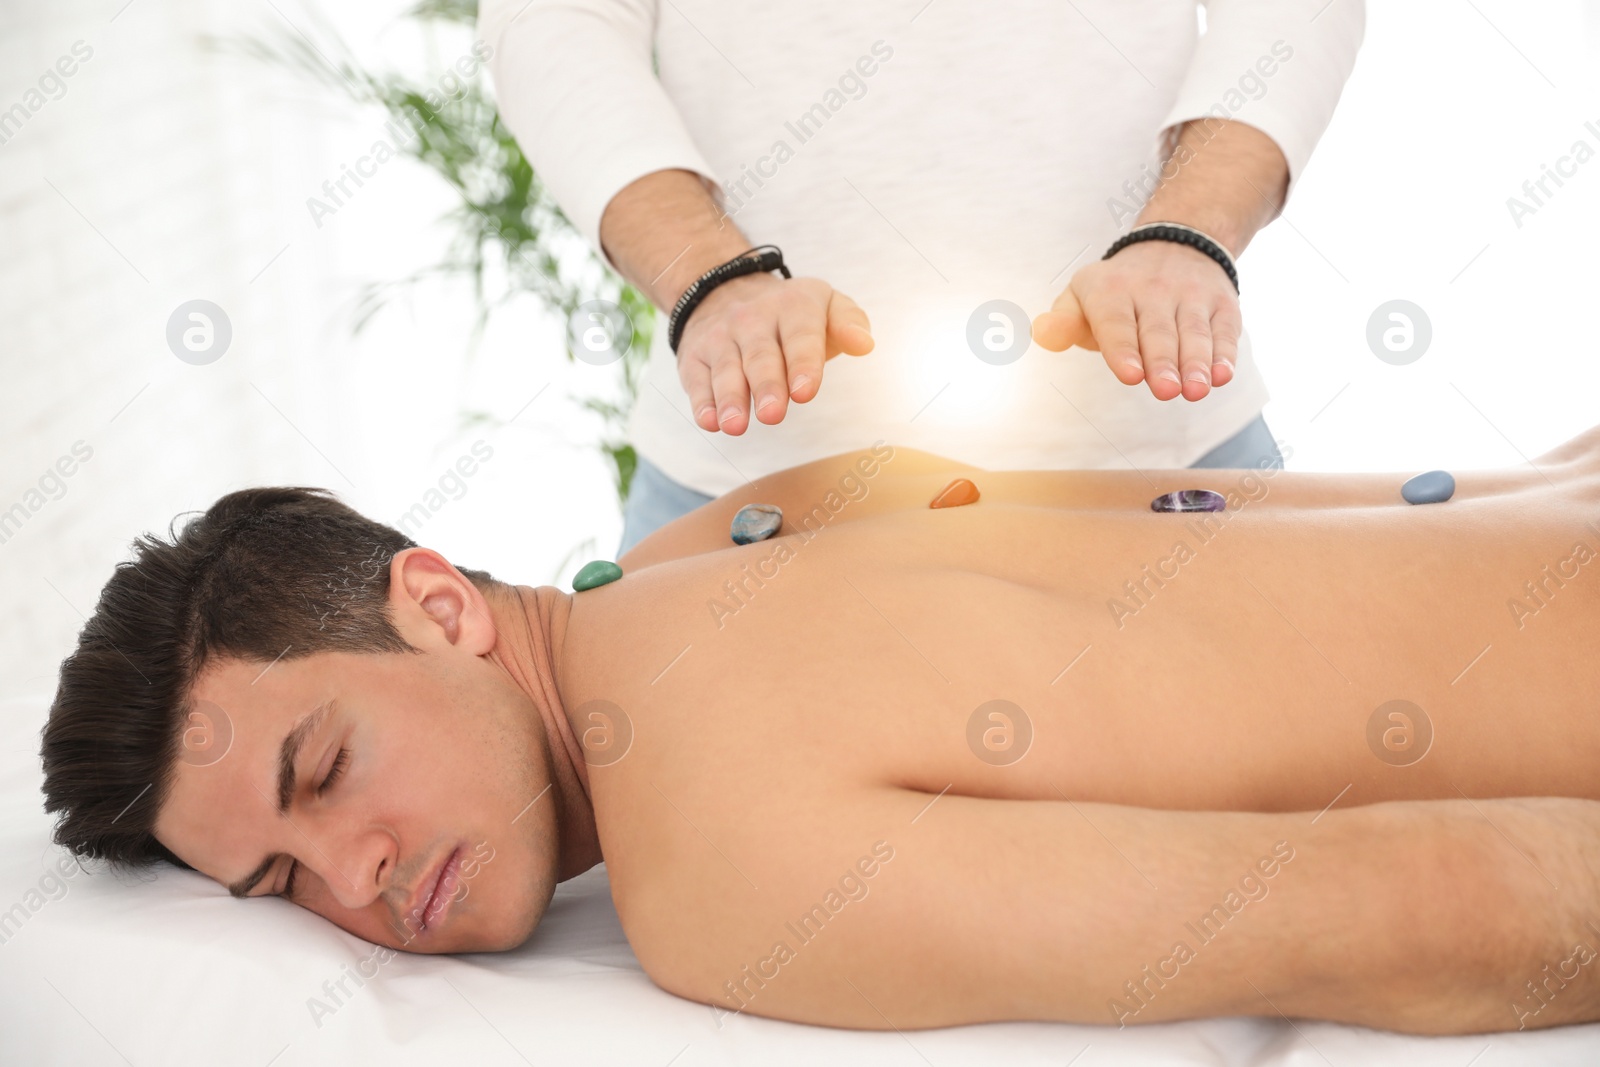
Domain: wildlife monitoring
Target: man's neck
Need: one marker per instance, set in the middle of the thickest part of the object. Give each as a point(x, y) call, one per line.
point(531, 624)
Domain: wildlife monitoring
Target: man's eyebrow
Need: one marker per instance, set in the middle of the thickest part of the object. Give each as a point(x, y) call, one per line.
point(288, 752)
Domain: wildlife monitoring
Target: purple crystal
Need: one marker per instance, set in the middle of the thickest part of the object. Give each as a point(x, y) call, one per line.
point(1189, 500)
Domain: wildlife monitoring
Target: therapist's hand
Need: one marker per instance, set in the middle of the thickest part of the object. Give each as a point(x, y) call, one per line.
point(764, 337)
point(1158, 311)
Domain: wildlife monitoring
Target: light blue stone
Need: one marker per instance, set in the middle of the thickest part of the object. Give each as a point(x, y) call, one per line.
point(1431, 487)
point(595, 573)
point(756, 522)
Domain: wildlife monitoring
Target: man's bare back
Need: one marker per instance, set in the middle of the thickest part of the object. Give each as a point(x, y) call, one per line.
point(995, 694)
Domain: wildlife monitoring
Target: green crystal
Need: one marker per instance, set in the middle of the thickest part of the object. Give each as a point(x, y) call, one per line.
point(595, 573)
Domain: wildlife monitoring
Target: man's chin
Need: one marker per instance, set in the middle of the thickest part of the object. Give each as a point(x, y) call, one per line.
point(507, 940)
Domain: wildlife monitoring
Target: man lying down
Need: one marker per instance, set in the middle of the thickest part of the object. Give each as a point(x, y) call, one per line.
point(1049, 755)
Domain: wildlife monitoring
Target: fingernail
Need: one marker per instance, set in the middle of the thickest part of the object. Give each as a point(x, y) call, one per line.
point(801, 382)
point(728, 414)
point(701, 414)
point(1198, 376)
point(765, 402)
point(1169, 374)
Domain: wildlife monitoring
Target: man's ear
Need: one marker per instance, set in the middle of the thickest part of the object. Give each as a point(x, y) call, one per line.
point(431, 600)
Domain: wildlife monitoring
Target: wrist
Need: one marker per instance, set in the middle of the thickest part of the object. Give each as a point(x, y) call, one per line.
point(1177, 233)
point(1227, 232)
point(702, 254)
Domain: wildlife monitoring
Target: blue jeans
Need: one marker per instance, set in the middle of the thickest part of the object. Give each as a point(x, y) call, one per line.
point(655, 500)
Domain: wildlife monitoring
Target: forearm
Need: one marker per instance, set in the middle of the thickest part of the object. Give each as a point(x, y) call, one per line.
point(1416, 916)
point(1225, 178)
point(1423, 917)
point(664, 230)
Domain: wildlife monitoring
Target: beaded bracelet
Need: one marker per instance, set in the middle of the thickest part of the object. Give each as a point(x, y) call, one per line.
point(736, 267)
point(1183, 235)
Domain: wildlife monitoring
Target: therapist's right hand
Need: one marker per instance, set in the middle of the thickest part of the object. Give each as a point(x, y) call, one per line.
point(759, 341)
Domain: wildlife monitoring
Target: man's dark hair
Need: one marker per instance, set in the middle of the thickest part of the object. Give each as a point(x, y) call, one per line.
point(266, 574)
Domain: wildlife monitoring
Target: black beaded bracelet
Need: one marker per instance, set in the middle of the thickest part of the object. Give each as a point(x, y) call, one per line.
point(1183, 235)
point(768, 257)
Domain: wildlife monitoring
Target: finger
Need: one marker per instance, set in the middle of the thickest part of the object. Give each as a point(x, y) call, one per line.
point(1063, 325)
point(848, 330)
point(1194, 350)
point(1058, 332)
point(732, 391)
point(696, 379)
point(764, 371)
point(804, 345)
point(1158, 344)
point(1225, 327)
point(1116, 334)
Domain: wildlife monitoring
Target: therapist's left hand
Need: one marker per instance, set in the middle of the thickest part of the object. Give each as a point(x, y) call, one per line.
point(1158, 311)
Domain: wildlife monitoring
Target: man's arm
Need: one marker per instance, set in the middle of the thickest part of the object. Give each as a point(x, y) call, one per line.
point(1424, 917)
point(574, 82)
point(1260, 90)
point(1228, 180)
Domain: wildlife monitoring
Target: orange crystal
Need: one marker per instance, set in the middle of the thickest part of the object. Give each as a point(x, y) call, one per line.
point(954, 495)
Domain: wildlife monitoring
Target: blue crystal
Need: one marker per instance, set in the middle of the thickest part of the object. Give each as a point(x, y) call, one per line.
point(1430, 487)
point(1190, 500)
point(755, 522)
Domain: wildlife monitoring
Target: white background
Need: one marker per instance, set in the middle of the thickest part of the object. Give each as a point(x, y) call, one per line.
point(168, 172)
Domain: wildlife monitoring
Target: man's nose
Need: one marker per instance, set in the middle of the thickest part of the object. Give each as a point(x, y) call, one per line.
point(360, 867)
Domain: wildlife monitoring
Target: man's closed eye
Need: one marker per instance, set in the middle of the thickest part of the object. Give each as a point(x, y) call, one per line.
point(341, 763)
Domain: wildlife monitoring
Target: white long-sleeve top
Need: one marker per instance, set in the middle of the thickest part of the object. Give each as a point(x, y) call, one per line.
point(924, 157)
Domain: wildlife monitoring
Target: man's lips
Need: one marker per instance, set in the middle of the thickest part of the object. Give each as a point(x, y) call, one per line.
point(432, 900)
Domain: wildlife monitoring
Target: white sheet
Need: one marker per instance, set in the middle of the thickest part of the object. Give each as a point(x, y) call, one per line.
point(168, 969)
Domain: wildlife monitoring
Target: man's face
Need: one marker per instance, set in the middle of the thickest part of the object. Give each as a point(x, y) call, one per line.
point(403, 761)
